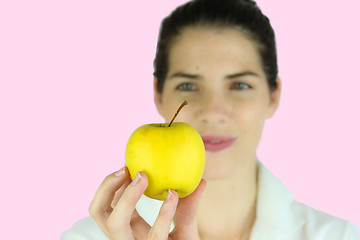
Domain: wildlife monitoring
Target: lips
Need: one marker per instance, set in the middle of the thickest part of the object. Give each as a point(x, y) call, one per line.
point(217, 143)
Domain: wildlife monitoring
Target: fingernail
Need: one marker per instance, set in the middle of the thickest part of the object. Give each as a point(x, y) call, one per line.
point(120, 172)
point(169, 196)
point(137, 179)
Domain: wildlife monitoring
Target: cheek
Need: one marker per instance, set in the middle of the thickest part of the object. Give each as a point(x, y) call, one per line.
point(251, 118)
point(171, 102)
point(185, 115)
point(170, 106)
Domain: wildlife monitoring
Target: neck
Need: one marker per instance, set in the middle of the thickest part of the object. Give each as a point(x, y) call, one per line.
point(227, 208)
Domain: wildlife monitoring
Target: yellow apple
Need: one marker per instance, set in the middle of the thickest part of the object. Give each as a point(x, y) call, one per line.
point(172, 155)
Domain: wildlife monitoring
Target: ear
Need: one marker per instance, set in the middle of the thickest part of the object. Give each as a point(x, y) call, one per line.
point(157, 97)
point(274, 98)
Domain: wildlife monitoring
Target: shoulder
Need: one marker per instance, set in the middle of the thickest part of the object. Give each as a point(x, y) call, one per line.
point(278, 214)
point(320, 225)
point(84, 229)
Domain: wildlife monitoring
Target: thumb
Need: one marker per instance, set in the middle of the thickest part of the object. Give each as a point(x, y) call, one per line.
point(187, 207)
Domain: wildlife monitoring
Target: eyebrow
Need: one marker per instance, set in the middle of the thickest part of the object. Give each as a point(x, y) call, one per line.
point(184, 75)
point(229, 77)
point(241, 74)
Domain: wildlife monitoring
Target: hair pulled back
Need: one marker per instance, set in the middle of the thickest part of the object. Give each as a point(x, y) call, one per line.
point(244, 15)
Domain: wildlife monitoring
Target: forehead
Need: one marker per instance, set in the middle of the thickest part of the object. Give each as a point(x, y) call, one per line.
point(213, 46)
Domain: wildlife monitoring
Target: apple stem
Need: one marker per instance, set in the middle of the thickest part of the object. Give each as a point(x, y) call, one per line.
point(177, 112)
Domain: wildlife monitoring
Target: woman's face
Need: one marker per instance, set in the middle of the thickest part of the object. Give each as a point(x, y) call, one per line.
point(219, 73)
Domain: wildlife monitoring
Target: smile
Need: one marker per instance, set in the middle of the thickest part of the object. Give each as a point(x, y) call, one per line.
point(217, 143)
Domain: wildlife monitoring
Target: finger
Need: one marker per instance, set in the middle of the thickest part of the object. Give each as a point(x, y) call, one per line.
point(119, 193)
point(187, 207)
point(139, 226)
point(161, 227)
point(123, 212)
point(100, 207)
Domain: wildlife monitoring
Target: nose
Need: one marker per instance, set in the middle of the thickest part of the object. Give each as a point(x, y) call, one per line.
point(213, 110)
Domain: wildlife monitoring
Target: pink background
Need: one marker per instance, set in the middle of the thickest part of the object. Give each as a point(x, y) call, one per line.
point(76, 80)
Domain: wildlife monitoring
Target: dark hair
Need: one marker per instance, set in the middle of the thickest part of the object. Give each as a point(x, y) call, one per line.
point(242, 14)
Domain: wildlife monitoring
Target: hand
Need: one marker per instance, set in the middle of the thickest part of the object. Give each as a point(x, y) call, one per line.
point(113, 209)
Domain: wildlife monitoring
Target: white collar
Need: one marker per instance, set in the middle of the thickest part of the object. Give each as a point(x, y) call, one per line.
point(274, 213)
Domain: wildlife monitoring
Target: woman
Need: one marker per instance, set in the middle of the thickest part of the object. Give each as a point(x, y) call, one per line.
point(220, 56)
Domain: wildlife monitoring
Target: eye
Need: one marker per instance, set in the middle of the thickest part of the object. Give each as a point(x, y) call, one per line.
point(240, 86)
point(186, 87)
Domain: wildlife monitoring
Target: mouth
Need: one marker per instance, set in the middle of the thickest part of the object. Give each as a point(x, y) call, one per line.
point(217, 143)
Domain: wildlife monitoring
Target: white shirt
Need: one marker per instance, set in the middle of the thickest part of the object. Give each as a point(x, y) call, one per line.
point(278, 217)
